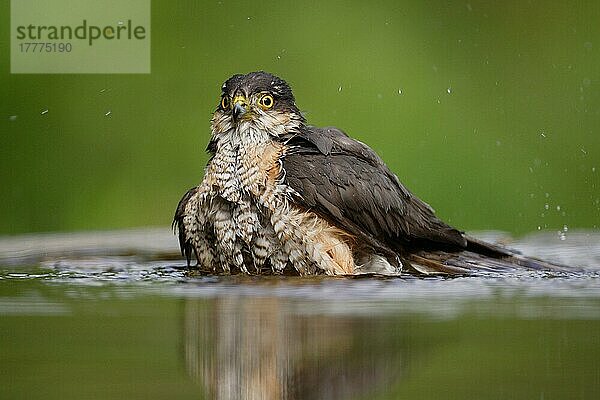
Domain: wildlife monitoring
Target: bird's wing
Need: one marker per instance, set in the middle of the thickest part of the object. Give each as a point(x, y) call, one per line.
point(346, 182)
point(184, 239)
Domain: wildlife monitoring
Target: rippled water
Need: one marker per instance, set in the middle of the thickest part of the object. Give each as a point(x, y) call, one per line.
point(117, 315)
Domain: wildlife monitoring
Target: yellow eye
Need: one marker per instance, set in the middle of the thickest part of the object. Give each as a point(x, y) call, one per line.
point(267, 101)
point(225, 102)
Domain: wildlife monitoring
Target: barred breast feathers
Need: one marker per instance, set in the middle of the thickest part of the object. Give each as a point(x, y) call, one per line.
point(242, 211)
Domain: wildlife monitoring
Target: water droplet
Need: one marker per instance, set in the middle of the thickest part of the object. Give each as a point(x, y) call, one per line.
point(108, 113)
point(44, 112)
point(593, 169)
point(248, 18)
point(543, 134)
point(547, 194)
point(565, 228)
point(339, 88)
point(546, 206)
point(449, 90)
point(102, 90)
point(279, 57)
point(539, 228)
point(557, 208)
point(583, 150)
point(12, 118)
point(120, 23)
point(399, 91)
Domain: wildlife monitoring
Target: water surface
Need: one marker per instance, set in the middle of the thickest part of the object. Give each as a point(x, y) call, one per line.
point(117, 315)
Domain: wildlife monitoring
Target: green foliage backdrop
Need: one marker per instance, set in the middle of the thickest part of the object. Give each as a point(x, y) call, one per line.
point(489, 111)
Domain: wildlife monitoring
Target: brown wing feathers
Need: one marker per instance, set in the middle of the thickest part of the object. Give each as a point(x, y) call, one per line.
point(184, 241)
point(345, 180)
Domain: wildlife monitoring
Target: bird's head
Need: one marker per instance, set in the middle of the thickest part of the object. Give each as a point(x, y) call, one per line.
point(257, 101)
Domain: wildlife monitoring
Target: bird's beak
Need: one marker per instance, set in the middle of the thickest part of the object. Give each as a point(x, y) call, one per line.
point(240, 107)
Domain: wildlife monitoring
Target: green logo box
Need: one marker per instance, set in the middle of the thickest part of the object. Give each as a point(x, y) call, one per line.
point(80, 37)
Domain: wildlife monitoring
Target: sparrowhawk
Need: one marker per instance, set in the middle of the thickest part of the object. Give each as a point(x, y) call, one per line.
point(281, 196)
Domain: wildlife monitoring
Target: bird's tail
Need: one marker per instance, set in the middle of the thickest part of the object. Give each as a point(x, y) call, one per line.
point(479, 257)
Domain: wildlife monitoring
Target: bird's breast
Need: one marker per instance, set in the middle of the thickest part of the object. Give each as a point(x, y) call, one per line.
point(244, 171)
point(250, 211)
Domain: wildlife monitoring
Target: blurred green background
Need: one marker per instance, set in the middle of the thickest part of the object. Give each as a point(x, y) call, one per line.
point(489, 111)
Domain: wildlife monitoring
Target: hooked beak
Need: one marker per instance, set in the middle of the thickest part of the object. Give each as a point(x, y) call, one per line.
point(240, 107)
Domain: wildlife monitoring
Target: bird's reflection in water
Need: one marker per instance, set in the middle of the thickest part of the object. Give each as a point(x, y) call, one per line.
point(268, 348)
